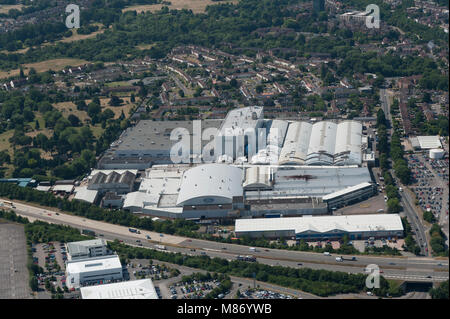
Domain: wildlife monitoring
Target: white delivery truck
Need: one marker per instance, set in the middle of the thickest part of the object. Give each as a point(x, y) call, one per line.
point(252, 249)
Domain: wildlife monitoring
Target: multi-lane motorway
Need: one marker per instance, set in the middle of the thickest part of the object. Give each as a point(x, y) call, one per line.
point(402, 268)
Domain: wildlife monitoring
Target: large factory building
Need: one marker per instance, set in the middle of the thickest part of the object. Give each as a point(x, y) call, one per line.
point(322, 227)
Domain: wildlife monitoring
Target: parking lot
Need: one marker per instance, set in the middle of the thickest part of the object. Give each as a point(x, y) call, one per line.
point(13, 261)
point(262, 294)
point(51, 258)
point(362, 245)
point(141, 269)
point(195, 289)
point(430, 184)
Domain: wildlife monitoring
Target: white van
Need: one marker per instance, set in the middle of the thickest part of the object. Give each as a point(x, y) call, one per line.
point(326, 253)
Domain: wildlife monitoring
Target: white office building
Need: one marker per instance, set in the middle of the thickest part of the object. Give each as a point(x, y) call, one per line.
point(97, 270)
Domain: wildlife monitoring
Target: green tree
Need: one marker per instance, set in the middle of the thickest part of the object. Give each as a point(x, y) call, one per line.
point(440, 292)
point(393, 205)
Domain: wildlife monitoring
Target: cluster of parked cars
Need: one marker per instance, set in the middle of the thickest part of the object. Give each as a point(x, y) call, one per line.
point(430, 197)
point(440, 167)
point(193, 290)
point(419, 171)
point(54, 274)
point(263, 294)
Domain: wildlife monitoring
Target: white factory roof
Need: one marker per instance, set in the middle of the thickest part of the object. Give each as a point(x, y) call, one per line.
point(85, 194)
point(296, 143)
point(43, 188)
point(323, 224)
point(108, 171)
point(322, 143)
point(345, 191)
point(427, 142)
point(63, 188)
point(139, 200)
point(210, 181)
point(240, 119)
point(136, 289)
point(93, 264)
point(277, 132)
point(257, 176)
point(314, 181)
point(348, 143)
point(160, 180)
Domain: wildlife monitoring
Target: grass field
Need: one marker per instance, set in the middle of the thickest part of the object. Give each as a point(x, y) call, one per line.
point(197, 6)
point(145, 46)
point(77, 37)
point(4, 8)
point(117, 84)
point(67, 108)
point(55, 65)
point(4, 141)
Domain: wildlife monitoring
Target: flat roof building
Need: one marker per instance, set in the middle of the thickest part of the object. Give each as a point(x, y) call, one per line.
point(148, 143)
point(87, 249)
point(321, 227)
point(429, 142)
point(216, 190)
point(310, 181)
point(85, 194)
point(238, 133)
point(97, 270)
point(135, 289)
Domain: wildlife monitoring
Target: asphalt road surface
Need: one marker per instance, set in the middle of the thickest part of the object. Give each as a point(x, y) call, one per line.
point(13, 261)
point(406, 200)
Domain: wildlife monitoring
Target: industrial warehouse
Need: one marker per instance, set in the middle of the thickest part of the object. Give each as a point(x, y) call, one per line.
point(242, 166)
point(229, 191)
point(135, 289)
point(322, 227)
point(244, 136)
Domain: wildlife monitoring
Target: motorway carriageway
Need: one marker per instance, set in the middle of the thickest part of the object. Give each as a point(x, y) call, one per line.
point(413, 268)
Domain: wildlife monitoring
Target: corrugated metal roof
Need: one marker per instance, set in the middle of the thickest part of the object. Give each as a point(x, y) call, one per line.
point(296, 143)
point(347, 190)
point(312, 181)
point(322, 224)
point(257, 176)
point(322, 143)
point(85, 194)
point(427, 142)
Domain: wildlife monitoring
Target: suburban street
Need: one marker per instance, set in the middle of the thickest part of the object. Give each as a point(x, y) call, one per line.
point(405, 198)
